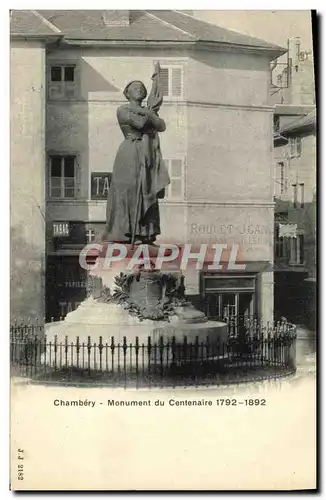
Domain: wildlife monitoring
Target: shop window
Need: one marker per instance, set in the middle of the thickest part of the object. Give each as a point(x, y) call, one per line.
point(229, 296)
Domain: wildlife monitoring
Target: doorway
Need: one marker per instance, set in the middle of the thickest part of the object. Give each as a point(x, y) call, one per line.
point(235, 308)
point(65, 286)
point(229, 305)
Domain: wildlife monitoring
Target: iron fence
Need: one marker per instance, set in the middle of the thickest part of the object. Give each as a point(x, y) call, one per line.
point(263, 352)
point(250, 326)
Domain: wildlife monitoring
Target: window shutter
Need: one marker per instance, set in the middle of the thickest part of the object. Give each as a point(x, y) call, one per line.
point(301, 248)
point(302, 195)
point(78, 183)
point(164, 75)
point(298, 139)
point(176, 82)
point(295, 195)
point(292, 147)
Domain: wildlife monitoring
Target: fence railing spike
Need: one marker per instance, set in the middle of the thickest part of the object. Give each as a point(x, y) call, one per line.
point(271, 343)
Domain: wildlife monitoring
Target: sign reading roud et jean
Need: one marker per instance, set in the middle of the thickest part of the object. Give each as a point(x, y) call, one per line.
point(100, 183)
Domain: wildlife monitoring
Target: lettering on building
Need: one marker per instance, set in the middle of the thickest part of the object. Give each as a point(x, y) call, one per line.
point(100, 183)
point(60, 229)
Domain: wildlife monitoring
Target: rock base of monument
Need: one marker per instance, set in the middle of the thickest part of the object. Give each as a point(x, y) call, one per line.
point(96, 322)
point(130, 308)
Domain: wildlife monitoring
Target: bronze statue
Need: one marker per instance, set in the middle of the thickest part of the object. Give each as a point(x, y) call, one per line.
point(139, 175)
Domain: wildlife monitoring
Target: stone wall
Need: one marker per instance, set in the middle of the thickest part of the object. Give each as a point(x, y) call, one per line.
point(27, 159)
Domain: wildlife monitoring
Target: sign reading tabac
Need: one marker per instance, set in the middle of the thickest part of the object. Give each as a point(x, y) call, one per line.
point(60, 229)
point(100, 183)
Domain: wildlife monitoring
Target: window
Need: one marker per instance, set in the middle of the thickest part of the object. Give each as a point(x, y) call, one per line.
point(295, 195)
point(290, 250)
point(281, 165)
point(301, 248)
point(172, 81)
point(280, 179)
point(298, 195)
point(278, 247)
point(295, 146)
point(62, 176)
point(301, 195)
point(297, 250)
point(281, 248)
point(229, 296)
point(62, 81)
point(175, 190)
point(276, 123)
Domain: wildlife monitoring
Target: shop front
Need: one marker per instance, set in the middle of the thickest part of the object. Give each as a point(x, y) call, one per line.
point(66, 280)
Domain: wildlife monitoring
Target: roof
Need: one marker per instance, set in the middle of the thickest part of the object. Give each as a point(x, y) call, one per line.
point(293, 109)
point(204, 31)
point(31, 23)
point(150, 25)
point(90, 25)
point(301, 124)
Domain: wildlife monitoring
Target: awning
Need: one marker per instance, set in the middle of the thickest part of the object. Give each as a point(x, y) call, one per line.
point(301, 124)
point(280, 140)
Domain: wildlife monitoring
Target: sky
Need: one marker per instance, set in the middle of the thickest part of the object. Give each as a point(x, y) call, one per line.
point(274, 26)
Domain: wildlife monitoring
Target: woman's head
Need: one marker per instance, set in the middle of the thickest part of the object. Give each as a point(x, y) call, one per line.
point(135, 91)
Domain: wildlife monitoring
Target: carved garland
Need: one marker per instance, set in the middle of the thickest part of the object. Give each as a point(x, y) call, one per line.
point(173, 295)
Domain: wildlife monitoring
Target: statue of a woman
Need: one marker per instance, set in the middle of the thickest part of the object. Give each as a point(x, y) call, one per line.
point(139, 175)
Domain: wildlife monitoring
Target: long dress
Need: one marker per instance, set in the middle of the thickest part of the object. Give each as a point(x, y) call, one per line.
point(138, 160)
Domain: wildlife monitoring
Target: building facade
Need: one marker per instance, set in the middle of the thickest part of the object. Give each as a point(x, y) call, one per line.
point(293, 92)
point(295, 217)
point(29, 35)
point(218, 146)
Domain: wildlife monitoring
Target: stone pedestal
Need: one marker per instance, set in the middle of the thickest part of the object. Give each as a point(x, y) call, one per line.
point(134, 304)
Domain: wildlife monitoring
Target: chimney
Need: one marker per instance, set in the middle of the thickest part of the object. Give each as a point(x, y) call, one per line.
point(116, 17)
